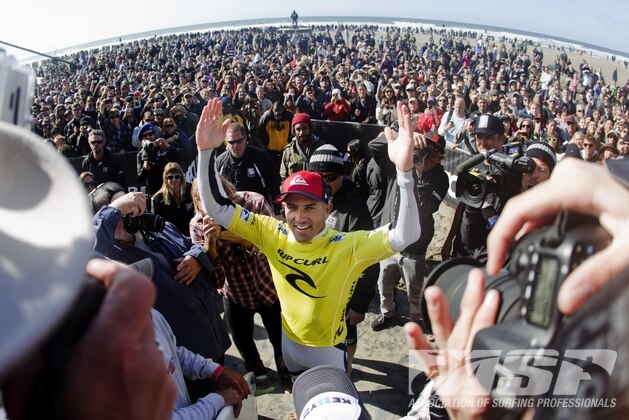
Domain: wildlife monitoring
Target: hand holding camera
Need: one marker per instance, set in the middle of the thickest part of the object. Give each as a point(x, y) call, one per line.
point(131, 204)
point(162, 143)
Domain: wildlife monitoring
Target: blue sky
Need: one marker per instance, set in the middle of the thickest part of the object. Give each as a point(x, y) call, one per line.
point(49, 25)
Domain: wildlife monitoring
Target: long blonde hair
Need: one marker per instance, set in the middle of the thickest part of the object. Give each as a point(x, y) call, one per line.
point(165, 190)
point(229, 188)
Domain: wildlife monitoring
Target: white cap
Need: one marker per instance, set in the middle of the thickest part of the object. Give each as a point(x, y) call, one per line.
point(47, 240)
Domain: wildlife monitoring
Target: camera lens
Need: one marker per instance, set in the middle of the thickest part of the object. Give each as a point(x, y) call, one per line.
point(451, 277)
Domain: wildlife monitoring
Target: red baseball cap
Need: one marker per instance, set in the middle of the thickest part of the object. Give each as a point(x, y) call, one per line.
point(307, 183)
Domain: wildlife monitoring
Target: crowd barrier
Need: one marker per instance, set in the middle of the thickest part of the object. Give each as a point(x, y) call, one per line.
point(335, 133)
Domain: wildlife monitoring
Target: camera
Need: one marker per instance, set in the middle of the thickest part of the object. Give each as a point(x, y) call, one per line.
point(528, 318)
point(419, 154)
point(503, 175)
point(149, 153)
point(17, 84)
point(148, 222)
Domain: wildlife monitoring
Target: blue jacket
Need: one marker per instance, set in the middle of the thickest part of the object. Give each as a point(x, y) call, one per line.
point(190, 310)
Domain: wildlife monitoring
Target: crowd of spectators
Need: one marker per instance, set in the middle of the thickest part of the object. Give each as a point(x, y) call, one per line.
point(146, 96)
point(340, 73)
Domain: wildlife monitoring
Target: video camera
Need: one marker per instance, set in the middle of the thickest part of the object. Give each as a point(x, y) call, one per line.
point(528, 318)
point(502, 176)
point(149, 153)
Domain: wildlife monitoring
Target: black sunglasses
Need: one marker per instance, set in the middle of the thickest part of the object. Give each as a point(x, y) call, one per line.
point(329, 177)
point(96, 142)
point(173, 176)
point(233, 142)
point(89, 184)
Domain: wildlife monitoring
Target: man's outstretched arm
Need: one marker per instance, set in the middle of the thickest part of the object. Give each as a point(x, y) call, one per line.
point(209, 136)
point(400, 149)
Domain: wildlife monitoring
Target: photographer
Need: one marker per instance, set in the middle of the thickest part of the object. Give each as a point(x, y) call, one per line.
point(477, 222)
point(599, 194)
point(386, 112)
point(184, 297)
point(79, 137)
point(338, 108)
point(153, 157)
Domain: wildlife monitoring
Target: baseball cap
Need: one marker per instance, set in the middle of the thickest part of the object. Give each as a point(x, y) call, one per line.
point(489, 125)
point(326, 392)
point(436, 140)
point(41, 278)
point(307, 183)
point(336, 91)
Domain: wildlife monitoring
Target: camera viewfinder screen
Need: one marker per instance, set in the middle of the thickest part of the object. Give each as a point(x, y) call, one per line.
point(542, 301)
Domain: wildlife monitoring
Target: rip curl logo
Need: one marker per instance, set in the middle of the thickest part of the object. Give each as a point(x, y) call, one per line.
point(299, 180)
point(297, 279)
point(300, 276)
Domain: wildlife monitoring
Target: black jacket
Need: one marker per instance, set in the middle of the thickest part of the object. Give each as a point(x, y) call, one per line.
point(189, 309)
point(109, 168)
point(431, 187)
point(179, 216)
point(367, 110)
point(152, 178)
point(253, 172)
point(350, 213)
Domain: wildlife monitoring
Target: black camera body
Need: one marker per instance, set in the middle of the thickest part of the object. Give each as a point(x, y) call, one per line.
point(503, 175)
point(149, 153)
point(528, 318)
point(148, 222)
point(419, 154)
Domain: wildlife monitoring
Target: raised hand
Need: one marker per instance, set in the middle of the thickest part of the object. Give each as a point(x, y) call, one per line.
point(452, 373)
point(210, 134)
point(401, 148)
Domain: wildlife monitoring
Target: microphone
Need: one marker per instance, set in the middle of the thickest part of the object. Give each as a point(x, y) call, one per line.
point(473, 161)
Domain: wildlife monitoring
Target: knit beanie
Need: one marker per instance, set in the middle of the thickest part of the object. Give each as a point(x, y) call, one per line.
point(326, 158)
point(544, 152)
point(301, 117)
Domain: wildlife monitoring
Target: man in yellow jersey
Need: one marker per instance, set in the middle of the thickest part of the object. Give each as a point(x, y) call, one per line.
point(315, 268)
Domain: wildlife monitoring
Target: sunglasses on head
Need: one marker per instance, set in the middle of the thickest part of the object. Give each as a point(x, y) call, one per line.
point(176, 177)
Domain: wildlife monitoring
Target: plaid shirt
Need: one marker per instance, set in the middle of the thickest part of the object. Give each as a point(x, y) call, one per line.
point(248, 280)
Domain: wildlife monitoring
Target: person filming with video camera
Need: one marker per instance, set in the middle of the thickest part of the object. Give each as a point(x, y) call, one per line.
point(153, 157)
point(486, 181)
point(553, 317)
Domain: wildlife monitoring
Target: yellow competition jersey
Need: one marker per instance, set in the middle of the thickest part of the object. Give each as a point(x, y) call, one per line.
point(314, 280)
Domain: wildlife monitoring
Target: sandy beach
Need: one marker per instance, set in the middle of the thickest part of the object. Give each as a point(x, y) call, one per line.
point(382, 370)
point(606, 66)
